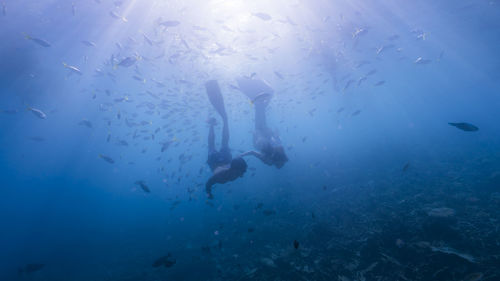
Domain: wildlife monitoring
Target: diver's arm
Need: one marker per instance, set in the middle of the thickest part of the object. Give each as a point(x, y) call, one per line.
point(252, 153)
point(218, 177)
point(208, 187)
point(256, 154)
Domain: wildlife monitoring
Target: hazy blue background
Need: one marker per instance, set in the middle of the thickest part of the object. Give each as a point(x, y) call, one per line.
point(86, 220)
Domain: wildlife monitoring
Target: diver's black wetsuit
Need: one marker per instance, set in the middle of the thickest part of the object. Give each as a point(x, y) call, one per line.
point(222, 157)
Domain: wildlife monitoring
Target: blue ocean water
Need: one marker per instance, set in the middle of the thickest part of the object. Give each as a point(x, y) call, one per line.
point(103, 141)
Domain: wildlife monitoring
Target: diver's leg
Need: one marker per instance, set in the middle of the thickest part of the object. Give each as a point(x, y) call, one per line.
point(260, 117)
point(211, 139)
point(225, 135)
point(215, 97)
point(253, 88)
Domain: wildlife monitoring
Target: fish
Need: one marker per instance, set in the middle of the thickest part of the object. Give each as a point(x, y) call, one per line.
point(357, 112)
point(278, 75)
point(170, 23)
point(290, 21)
point(185, 44)
point(85, 123)
point(37, 139)
point(88, 43)
point(383, 48)
point(361, 80)
point(73, 9)
point(73, 69)
point(262, 16)
point(146, 38)
point(127, 62)
point(295, 244)
point(121, 99)
point(348, 83)
point(380, 83)
point(143, 185)
point(358, 32)
point(340, 110)
point(31, 267)
point(138, 78)
point(406, 166)
point(465, 126)
point(422, 36)
point(4, 9)
point(107, 158)
point(38, 41)
point(371, 72)
point(158, 83)
point(421, 60)
point(118, 17)
point(165, 261)
point(38, 113)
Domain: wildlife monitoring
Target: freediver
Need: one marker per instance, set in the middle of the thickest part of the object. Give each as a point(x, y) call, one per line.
point(223, 166)
point(268, 144)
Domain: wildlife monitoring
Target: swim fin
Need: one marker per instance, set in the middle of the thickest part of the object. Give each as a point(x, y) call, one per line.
point(254, 88)
point(215, 97)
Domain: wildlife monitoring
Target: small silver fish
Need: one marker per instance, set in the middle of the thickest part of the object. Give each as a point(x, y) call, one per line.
point(107, 158)
point(361, 80)
point(146, 38)
point(88, 43)
point(262, 16)
point(127, 62)
point(85, 123)
point(421, 60)
point(170, 23)
point(278, 75)
point(118, 17)
point(38, 113)
point(38, 41)
point(73, 69)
